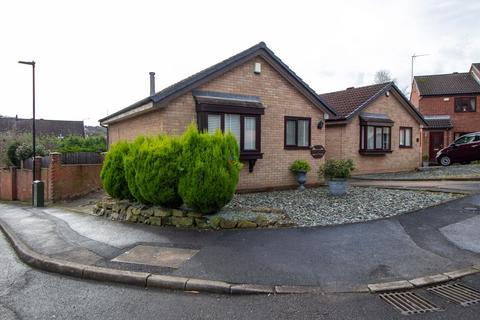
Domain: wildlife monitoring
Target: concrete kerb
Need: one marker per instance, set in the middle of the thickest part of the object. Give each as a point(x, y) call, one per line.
point(422, 281)
point(142, 279)
point(148, 280)
point(417, 179)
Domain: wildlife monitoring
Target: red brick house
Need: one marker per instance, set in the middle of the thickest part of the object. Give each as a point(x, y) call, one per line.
point(275, 116)
point(376, 126)
point(449, 104)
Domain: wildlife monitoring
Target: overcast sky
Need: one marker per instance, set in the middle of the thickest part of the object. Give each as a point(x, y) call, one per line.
point(93, 57)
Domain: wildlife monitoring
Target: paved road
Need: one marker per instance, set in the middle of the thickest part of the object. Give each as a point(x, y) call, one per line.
point(31, 294)
point(338, 259)
point(468, 186)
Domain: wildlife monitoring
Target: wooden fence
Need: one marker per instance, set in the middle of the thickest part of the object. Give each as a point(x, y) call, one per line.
point(82, 158)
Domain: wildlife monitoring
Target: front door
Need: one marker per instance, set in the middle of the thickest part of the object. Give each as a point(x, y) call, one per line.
point(436, 144)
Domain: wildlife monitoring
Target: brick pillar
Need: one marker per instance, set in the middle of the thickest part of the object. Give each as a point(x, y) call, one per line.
point(53, 175)
point(37, 162)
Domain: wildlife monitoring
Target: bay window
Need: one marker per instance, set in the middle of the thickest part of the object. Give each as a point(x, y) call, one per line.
point(375, 139)
point(297, 133)
point(243, 127)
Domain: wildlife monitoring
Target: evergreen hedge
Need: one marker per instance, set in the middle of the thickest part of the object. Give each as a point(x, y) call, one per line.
point(211, 169)
point(198, 169)
point(158, 171)
point(130, 162)
point(113, 173)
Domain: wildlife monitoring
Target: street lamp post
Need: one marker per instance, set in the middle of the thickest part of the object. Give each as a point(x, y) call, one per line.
point(32, 63)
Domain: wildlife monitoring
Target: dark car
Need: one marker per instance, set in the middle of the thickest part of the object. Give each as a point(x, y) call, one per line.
point(463, 150)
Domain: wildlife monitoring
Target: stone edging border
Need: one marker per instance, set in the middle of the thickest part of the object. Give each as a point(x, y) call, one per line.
point(142, 279)
point(422, 281)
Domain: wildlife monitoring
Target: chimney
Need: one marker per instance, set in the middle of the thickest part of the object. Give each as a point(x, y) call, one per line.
point(152, 84)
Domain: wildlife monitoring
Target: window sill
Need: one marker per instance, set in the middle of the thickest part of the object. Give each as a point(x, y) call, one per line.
point(374, 152)
point(251, 155)
point(296, 148)
point(405, 147)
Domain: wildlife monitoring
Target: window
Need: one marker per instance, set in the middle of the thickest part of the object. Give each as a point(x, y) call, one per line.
point(297, 133)
point(465, 104)
point(466, 139)
point(459, 134)
point(374, 139)
point(405, 137)
point(245, 128)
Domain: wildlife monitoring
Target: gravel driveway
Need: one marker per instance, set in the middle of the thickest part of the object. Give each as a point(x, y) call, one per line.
point(434, 173)
point(315, 206)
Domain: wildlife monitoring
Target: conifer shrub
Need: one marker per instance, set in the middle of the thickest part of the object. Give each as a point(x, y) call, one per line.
point(113, 173)
point(158, 172)
point(131, 162)
point(211, 169)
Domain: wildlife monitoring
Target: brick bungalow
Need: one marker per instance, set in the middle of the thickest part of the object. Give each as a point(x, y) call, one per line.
point(449, 103)
point(275, 116)
point(376, 126)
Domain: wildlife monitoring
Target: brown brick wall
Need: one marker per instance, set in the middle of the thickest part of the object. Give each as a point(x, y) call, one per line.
point(343, 141)
point(70, 181)
point(7, 184)
point(61, 181)
point(462, 121)
point(279, 98)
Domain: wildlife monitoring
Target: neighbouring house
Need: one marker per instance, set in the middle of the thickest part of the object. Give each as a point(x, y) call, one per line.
point(376, 126)
point(15, 125)
point(276, 117)
point(449, 103)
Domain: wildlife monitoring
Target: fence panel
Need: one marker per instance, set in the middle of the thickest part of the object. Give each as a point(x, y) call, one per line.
point(45, 162)
point(28, 164)
point(81, 158)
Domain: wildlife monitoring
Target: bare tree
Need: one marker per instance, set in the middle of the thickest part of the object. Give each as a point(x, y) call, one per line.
point(382, 76)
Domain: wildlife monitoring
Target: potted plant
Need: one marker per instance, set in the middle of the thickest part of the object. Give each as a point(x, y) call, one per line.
point(300, 169)
point(336, 172)
point(425, 160)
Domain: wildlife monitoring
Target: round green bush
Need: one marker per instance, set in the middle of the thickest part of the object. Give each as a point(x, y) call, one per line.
point(300, 165)
point(12, 154)
point(158, 172)
point(211, 170)
point(113, 173)
point(131, 162)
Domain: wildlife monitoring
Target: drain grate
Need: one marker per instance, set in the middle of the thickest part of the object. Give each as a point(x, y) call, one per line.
point(408, 303)
point(457, 293)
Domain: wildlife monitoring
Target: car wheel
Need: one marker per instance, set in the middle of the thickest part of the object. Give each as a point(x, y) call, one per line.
point(445, 161)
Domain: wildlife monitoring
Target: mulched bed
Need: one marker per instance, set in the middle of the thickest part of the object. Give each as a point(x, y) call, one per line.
point(315, 206)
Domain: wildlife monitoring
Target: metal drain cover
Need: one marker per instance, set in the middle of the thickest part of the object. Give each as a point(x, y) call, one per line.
point(457, 293)
point(409, 303)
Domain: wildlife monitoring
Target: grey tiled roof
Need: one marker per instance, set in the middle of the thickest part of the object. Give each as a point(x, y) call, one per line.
point(446, 84)
point(42, 127)
point(190, 82)
point(438, 122)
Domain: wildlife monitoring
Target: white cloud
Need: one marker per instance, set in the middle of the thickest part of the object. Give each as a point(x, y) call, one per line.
point(95, 56)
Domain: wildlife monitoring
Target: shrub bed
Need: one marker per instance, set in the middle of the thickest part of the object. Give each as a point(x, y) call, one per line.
point(197, 169)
